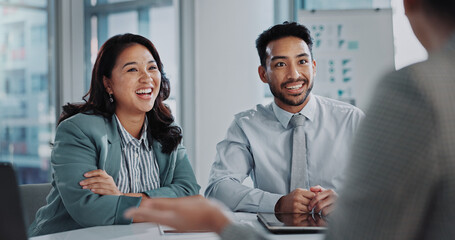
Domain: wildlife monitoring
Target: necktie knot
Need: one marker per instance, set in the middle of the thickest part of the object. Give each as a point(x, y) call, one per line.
point(297, 120)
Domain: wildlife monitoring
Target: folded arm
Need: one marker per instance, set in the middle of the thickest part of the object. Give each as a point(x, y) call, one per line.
point(75, 154)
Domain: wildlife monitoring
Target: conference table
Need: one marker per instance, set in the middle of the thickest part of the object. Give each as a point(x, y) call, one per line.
point(151, 231)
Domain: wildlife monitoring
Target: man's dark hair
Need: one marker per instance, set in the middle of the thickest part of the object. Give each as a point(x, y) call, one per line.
point(278, 31)
point(96, 101)
point(445, 9)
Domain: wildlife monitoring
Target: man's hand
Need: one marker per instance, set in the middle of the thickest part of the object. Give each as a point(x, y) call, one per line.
point(183, 214)
point(295, 202)
point(324, 200)
point(99, 182)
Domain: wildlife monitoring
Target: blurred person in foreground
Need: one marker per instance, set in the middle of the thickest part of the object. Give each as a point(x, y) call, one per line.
point(401, 183)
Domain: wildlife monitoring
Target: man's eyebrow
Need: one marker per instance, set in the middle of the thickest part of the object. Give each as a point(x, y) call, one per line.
point(277, 57)
point(132, 63)
point(284, 57)
point(303, 55)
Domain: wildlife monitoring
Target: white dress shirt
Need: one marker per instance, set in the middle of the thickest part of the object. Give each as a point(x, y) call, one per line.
point(259, 144)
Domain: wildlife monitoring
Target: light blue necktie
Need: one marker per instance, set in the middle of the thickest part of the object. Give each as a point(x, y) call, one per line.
point(299, 165)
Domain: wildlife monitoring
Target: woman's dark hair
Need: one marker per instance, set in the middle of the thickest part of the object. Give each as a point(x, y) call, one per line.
point(160, 118)
point(278, 31)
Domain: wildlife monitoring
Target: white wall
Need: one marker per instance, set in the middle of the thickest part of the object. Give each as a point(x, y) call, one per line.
point(226, 61)
point(408, 49)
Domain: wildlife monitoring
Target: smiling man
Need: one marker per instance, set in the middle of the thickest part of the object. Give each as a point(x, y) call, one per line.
point(295, 149)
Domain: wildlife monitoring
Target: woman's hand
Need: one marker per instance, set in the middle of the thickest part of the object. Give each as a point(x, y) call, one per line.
point(99, 182)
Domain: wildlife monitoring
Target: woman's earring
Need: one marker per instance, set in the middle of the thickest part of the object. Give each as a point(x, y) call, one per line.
point(110, 98)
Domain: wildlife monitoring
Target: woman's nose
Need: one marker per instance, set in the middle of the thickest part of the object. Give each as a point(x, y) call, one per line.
point(146, 76)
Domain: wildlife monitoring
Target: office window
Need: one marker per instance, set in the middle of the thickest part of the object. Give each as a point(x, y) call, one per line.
point(26, 3)
point(27, 106)
point(156, 20)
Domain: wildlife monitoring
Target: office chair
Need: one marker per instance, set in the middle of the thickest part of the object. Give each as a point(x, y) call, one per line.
point(33, 197)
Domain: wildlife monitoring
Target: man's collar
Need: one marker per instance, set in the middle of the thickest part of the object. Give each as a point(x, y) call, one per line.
point(284, 116)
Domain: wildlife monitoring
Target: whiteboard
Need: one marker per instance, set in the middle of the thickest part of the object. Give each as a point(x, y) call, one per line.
point(353, 49)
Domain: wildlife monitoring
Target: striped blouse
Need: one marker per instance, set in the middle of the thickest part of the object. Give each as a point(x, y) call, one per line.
point(139, 171)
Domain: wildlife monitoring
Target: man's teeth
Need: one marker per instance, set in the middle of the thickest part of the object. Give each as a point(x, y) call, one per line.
point(295, 86)
point(144, 91)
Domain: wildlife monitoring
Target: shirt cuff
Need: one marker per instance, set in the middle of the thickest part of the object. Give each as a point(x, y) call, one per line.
point(124, 204)
point(268, 202)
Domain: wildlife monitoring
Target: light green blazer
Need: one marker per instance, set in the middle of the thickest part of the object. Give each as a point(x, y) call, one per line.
point(87, 142)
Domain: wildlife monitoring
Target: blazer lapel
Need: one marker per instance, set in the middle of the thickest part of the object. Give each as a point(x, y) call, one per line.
point(113, 158)
point(163, 161)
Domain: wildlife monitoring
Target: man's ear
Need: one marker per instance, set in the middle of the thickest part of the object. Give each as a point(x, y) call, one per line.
point(107, 86)
point(314, 67)
point(262, 72)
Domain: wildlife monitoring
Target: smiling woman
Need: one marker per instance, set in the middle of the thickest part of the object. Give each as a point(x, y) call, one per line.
point(134, 85)
point(118, 147)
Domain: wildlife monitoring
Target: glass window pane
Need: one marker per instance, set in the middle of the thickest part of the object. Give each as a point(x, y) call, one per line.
point(123, 22)
point(163, 35)
point(100, 2)
point(156, 22)
point(26, 104)
point(118, 1)
point(33, 3)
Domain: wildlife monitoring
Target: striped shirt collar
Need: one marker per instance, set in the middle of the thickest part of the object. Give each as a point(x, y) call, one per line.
point(126, 137)
point(284, 117)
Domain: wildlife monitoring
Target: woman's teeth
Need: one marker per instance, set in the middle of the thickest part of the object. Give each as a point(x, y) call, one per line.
point(144, 91)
